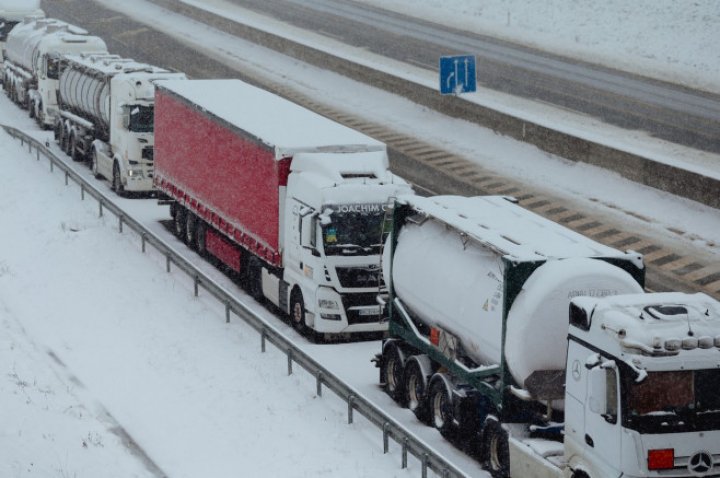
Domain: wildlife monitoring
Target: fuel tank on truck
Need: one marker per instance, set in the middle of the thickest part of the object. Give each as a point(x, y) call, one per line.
point(87, 92)
point(451, 274)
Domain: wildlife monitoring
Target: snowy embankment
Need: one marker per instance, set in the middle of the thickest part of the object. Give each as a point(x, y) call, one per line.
point(97, 336)
point(663, 39)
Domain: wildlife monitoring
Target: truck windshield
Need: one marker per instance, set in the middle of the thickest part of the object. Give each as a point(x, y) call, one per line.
point(5, 27)
point(141, 119)
point(353, 229)
point(672, 402)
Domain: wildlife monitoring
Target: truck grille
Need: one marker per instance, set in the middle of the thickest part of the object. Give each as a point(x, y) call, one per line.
point(357, 277)
point(147, 153)
point(355, 300)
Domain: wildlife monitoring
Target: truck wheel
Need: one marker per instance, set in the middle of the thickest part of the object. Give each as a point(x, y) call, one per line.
point(67, 143)
point(392, 372)
point(441, 404)
point(116, 183)
point(94, 166)
point(415, 384)
point(190, 230)
point(297, 311)
point(57, 131)
point(32, 110)
point(495, 454)
point(75, 152)
point(200, 231)
point(179, 222)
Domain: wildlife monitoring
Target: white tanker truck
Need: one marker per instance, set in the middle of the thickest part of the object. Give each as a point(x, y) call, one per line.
point(13, 12)
point(538, 347)
point(107, 116)
point(32, 55)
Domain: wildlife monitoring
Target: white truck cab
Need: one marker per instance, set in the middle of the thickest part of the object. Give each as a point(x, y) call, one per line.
point(333, 230)
point(643, 386)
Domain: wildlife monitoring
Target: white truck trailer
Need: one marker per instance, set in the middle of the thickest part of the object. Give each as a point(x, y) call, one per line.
point(32, 55)
point(538, 346)
point(107, 116)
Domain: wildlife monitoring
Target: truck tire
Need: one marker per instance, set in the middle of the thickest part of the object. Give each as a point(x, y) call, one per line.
point(392, 371)
point(200, 231)
point(440, 400)
point(116, 182)
point(179, 222)
point(415, 385)
point(75, 152)
point(495, 452)
point(67, 143)
point(190, 230)
point(297, 311)
point(94, 165)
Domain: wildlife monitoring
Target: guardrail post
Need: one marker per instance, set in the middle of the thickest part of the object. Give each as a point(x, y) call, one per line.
point(120, 223)
point(289, 355)
point(425, 462)
point(262, 341)
point(196, 281)
point(52, 166)
point(100, 208)
point(386, 437)
point(227, 312)
point(66, 178)
point(37, 154)
point(351, 402)
point(143, 238)
point(319, 384)
point(82, 192)
point(404, 452)
point(167, 263)
point(29, 147)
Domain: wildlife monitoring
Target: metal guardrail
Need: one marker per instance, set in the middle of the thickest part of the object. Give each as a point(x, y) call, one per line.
point(391, 429)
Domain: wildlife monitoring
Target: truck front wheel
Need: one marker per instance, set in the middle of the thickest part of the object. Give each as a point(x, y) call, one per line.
point(200, 231)
point(297, 311)
point(116, 182)
point(495, 454)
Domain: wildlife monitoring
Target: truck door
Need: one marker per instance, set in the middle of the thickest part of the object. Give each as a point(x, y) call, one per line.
point(602, 418)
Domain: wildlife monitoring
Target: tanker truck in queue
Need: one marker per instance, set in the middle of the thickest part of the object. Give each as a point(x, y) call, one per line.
point(32, 60)
point(13, 12)
point(537, 348)
point(289, 200)
point(106, 116)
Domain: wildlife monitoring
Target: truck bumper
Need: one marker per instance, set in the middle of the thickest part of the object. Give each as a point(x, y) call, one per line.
point(138, 184)
point(356, 313)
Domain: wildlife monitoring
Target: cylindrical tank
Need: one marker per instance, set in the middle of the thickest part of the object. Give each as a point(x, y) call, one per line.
point(86, 93)
point(452, 282)
point(23, 40)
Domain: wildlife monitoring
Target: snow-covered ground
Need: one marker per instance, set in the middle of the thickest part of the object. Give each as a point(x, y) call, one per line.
point(670, 40)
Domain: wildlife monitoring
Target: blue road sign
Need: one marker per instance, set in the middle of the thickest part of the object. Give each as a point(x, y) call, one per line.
point(457, 74)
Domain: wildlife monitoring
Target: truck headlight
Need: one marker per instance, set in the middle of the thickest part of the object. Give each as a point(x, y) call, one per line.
point(328, 304)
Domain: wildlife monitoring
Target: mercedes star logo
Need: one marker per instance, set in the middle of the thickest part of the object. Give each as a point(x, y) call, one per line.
point(700, 463)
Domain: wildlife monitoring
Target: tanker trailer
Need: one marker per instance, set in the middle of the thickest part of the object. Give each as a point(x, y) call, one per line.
point(33, 51)
point(479, 290)
point(13, 12)
point(107, 116)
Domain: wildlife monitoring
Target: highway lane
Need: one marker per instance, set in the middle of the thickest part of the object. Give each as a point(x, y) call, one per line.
point(666, 110)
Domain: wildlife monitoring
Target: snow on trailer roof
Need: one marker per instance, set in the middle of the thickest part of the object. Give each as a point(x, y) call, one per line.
point(500, 224)
point(279, 123)
point(108, 64)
